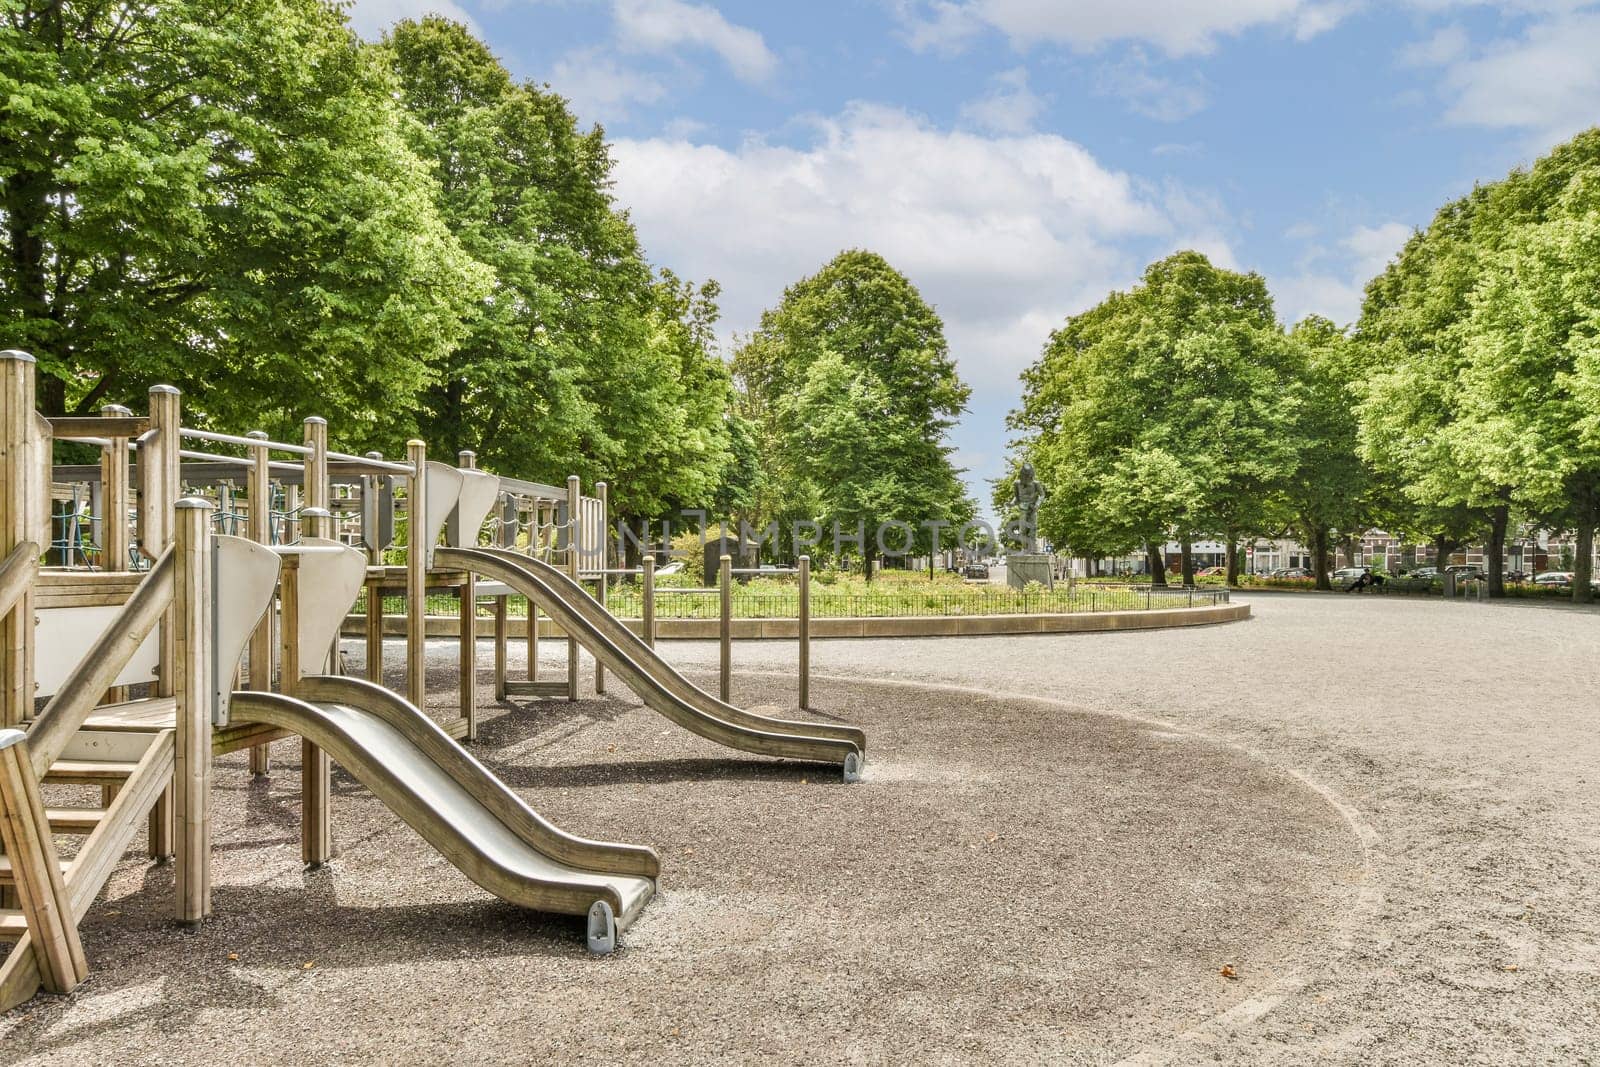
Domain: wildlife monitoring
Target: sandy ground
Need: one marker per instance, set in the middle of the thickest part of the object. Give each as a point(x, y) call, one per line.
point(1380, 813)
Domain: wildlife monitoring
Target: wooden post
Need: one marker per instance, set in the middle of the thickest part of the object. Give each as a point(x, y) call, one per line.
point(372, 511)
point(416, 576)
point(18, 523)
point(805, 632)
point(114, 470)
point(535, 540)
point(605, 562)
point(725, 583)
point(159, 476)
point(36, 870)
point(316, 479)
point(316, 770)
point(375, 627)
point(258, 492)
point(316, 837)
point(467, 639)
point(191, 608)
point(574, 539)
point(467, 629)
point(648, 599)
point(501, 627)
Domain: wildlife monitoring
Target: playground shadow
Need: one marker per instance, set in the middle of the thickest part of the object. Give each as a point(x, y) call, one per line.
point(162, 976)
point(655, 772)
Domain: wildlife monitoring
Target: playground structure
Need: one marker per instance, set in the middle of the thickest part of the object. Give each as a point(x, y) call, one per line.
point(191, 641)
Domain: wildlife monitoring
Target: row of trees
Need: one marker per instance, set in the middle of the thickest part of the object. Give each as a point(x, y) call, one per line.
point(1462, 403)
point(244, 199)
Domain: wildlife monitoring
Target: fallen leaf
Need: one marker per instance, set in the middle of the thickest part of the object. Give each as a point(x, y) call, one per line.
point(1228, 971)
point(1510, 967)
point(688, 852)
point(802, 781)
point(308, 965)
point(993, 838)
point(233, 955)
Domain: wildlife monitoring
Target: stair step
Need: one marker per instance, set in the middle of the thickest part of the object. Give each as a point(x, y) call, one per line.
point(74, 820)
point(536, 689)
point(12, 924)
point(6, 876)
point(102, 772)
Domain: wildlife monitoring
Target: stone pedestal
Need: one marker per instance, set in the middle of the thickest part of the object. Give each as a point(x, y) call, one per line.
point(1025, 567)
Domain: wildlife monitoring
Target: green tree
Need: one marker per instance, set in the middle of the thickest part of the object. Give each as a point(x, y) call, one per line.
point(1163, 411)
point(580, 359)
point(851, 390)
point(1476, 339)
point(218, 195)
point(1329, 492)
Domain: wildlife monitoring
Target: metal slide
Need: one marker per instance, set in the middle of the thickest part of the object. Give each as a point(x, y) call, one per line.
point(459, 807)
point(653, 678)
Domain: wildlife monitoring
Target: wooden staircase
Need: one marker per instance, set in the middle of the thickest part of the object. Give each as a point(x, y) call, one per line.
point(138, 765)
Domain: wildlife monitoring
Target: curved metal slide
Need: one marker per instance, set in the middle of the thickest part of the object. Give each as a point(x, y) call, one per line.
point(653, 678)
point(459, 807)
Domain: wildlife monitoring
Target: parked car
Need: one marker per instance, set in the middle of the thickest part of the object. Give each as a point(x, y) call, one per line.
point(1291, 572)
point(1211, 572)
point(1424, 573)
point(976, 571)
point(1553, 578)
point(1347, 578)
point(1466, 572)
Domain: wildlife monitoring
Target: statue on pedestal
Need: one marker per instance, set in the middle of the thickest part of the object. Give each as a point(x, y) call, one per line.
point(1027, 495)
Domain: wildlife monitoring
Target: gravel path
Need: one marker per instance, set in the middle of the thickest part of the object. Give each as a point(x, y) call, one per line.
point(1380, 813)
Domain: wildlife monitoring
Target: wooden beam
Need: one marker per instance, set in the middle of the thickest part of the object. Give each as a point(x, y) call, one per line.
point(36, 870)
point(74, 427)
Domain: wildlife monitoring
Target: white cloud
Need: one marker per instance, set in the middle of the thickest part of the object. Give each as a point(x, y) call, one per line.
point(1009, 107)
point(602, 89)
point(1004, 234)
point(370, 18)
point(1177, 27)
point(1445, 46)
point(1332, 281)
point(1150, 94)
point(1546, 81)
point(664, 26)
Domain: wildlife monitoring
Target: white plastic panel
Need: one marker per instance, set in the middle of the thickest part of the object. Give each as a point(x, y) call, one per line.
point(65, 635)
point(331, 576)
point(480, 492)
point(444, 489)
point(246, 579)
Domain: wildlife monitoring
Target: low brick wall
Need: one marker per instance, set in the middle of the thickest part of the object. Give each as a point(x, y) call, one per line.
point(904, 626)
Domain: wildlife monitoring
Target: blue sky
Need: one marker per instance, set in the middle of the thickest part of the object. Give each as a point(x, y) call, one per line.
point(1019, 158)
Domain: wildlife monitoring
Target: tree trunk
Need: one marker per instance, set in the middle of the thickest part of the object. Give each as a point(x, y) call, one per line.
point(1233, 560)
point(1187, 557)
point(1500, 516)
point(1319, 558)
point(24, 200)
point(1583, 563)
point(1156, 565)
point(866, 563)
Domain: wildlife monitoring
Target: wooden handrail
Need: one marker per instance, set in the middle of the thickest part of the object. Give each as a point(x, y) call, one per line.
point(98, 669)
point(16, 573)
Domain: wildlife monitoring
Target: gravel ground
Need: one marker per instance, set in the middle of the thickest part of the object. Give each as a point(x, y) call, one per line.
point(1016, 880)
point(1465, 736)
